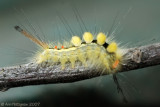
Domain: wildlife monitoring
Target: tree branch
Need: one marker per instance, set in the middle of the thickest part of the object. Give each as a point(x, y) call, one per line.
point(32, 74)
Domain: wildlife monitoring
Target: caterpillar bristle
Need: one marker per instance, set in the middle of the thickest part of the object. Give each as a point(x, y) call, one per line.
point(35, 40)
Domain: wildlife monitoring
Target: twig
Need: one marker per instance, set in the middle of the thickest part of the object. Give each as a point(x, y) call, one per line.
point(32, 74)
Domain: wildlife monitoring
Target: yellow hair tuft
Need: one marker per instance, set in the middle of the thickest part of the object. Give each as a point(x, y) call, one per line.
point(88, 37)
point(112, 48)
point(101, 38)
point(76, 41)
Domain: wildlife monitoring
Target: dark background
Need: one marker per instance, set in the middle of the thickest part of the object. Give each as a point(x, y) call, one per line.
point(139, 24)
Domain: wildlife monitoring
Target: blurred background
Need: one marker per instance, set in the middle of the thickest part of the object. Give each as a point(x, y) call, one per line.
point(133, 23)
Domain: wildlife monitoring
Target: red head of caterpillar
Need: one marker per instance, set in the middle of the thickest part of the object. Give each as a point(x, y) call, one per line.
point(90, 53)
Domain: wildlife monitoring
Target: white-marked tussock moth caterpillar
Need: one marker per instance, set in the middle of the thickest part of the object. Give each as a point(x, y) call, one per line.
point(96, 53)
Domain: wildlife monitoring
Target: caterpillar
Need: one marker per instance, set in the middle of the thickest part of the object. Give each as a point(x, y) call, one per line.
point(89, 52)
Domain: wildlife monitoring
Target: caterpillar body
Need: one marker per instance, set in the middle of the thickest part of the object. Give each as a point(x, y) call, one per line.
point(96, 53)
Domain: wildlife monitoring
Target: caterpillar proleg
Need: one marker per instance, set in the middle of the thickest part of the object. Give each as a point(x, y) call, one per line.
point(95, 53)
